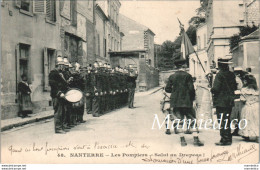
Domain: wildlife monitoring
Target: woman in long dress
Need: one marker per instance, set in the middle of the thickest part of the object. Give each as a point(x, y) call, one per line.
point(250, 111)
point(25, 103)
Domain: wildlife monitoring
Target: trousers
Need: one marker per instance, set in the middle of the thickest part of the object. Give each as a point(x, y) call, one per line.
point(225, 133)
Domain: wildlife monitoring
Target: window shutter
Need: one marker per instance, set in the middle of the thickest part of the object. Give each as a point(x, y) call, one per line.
point(18, 3)
point(46, 70)
point(39, 6)
point(17, 57)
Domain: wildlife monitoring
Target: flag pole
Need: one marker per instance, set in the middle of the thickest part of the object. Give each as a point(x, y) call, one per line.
point(182, 28)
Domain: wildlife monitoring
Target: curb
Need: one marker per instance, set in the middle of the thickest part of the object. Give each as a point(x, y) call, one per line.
point(156, 90)
point(8, 127)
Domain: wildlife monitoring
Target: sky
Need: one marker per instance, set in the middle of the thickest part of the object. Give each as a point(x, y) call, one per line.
point(160, 16)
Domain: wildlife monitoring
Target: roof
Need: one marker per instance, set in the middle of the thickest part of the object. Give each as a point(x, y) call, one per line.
point(127, 52)
point(253, 35)
point(125, 20)
point(101, 11)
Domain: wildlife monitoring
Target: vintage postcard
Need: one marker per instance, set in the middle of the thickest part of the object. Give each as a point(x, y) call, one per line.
point(129, 81)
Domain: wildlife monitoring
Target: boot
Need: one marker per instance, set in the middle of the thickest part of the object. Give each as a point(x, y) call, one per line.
point(183, 142)
point(168, 132)
point(197, 142)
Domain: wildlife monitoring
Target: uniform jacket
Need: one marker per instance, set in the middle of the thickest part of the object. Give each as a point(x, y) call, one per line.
point(131, 81)
point(180, 85)
point(78, 81)
point(58, 83)
point(223, 89)
point(97, 80)
point(89, 87)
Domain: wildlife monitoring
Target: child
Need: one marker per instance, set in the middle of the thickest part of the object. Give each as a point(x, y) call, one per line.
point(25, 104)
point(250, 111)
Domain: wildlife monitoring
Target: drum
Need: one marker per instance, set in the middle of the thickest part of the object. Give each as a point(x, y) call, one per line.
point(75, 97)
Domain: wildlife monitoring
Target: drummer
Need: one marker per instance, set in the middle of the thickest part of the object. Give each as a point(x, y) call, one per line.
point(78, 83)
point(58, 87)
point(67, 107)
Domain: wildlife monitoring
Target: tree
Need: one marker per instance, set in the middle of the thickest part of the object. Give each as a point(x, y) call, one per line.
point(203, 7)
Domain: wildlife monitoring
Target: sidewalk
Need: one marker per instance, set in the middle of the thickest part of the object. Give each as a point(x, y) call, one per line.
point(36, 117)
point(18, 121)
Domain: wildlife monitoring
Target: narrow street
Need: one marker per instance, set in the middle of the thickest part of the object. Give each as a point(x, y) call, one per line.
point(121, 131)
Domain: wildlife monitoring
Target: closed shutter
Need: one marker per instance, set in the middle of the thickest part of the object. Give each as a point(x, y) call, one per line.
point(51, 10)
point(74, 12)
point(39, 6)
point(17, 57)
point(18, 3)
point(46, 69)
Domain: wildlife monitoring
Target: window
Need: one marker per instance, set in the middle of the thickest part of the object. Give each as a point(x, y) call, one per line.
point(105, 47)
point(24, 56)
point(198, 43)
point(48, 65)
point(22, 52)
point(115, 45)
point(112, 41)
point(26, 5)
point(51, 10)
point(205, 41)
point(98, 38)
point(73, 8)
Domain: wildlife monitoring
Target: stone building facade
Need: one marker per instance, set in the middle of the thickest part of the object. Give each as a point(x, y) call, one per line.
point(32, 36)
point(137, 50)
point(108, 33)
point(252, 13)
point(219, 30)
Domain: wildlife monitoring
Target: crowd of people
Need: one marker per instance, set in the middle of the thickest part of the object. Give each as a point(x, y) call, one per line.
point(103, 88)
point(234, 95)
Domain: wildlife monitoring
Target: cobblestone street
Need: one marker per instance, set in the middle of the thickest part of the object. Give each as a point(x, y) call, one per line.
point(121, 131)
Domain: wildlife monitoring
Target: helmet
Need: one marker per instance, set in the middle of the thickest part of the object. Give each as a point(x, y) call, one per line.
point(59, 60)
point(66, 61)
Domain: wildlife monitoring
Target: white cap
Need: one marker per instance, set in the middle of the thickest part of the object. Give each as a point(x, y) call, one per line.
point(238, 68)
point(60, 60)
point(66, 61)
point(77, 66)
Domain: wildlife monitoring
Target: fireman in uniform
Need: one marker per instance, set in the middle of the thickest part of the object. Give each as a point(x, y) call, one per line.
point(58, 88)
point(97, 91)
point(89, 88)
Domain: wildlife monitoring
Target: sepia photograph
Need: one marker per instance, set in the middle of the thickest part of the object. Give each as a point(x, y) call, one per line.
point(129, 82)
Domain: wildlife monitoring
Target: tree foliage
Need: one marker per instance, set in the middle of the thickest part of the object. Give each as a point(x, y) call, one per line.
point(173, 49)
point(236, 38)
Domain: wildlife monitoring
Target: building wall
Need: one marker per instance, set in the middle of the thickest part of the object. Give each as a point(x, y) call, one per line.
point(220, 30)
point(202, 37)
point(247, 55)
point(149, 46)
point(32, 30)
point(100, 34)
point(134, 34)
point(253, 13)
point(43, 38)
point(222, 9)
point(112, 30)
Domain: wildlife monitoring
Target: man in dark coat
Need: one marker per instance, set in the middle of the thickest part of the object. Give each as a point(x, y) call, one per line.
point(180, 85)
point(223, 99)
point(97, 85)
point(58, 87)
point(131, 82)
point(89, 89)
point(78, 83)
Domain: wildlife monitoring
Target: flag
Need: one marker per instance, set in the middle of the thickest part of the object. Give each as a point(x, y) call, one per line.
point(186, 46)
